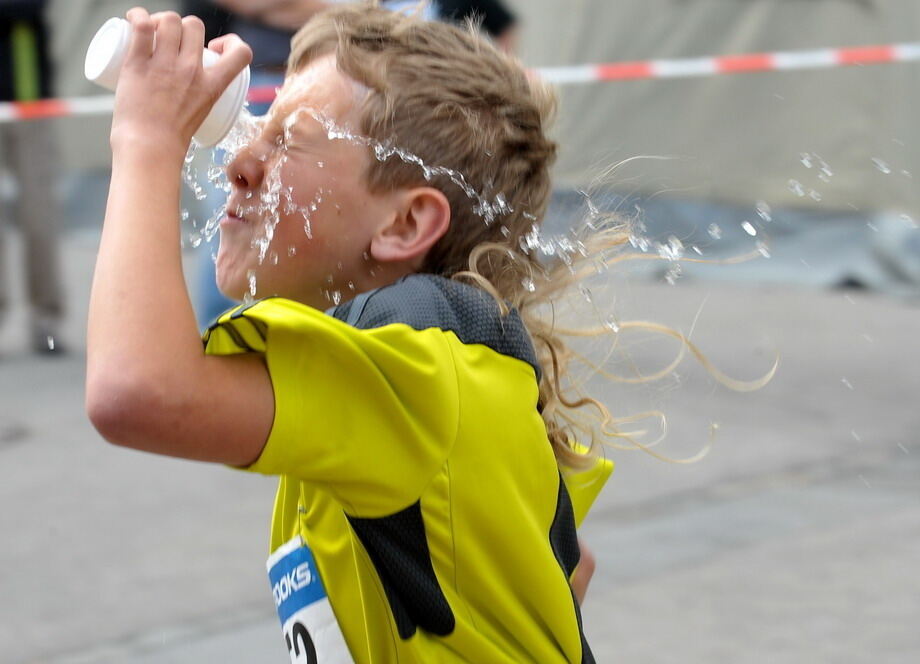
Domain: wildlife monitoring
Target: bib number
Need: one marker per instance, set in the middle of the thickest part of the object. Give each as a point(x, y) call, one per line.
point(311, 632)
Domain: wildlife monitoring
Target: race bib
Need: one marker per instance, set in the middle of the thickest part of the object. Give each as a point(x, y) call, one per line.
point(311, 632)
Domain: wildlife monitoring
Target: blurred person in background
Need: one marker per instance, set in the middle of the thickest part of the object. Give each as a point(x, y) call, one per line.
point(267, 26)
point(288, 15)
point(28, 153)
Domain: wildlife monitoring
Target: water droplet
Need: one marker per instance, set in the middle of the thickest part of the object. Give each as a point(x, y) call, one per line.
point(763, 211)
point(796, 187)
point(336, 297)
point(251, 276)
point(906, 218)
point(528, 284)
point(763, 249)
point(715, 232)
point(865, 481)
point(586, 293)
point(805, 158)
point(49, 340)
point(673, 274)
point(846, 383)
point(856, 436)
point(749, 228)
point(881, 165)
point(903, 449)
point(907, 174)
point(611, 323)
point(321, 164)
point(673, 250)
point(184, 214)
point(814, 195)
point(292, 250)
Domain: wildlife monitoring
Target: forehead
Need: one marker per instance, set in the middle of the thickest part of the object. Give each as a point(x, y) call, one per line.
point(317, 88)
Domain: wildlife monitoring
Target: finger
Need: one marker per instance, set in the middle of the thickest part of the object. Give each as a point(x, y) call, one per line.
point(217, 44)
point(192, 38)
point(235, 54)
point(169, 34)
point(142, 32)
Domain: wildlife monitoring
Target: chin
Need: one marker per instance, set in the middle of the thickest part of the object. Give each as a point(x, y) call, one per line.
point(230, 288)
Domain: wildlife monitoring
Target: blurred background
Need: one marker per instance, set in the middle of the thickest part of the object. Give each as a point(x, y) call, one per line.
point(796, 539)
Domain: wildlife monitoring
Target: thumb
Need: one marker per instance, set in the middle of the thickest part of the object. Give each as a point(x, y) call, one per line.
point(235, 55)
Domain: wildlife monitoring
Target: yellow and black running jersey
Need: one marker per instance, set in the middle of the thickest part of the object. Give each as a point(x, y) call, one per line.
point(415, 467)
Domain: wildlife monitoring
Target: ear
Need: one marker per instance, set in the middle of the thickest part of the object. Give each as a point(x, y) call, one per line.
point(422, 218)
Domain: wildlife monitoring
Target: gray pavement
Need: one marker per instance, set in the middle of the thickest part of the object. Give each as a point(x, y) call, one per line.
point(796, 540)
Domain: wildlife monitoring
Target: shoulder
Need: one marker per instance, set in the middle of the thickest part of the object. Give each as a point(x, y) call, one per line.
point(425, 301)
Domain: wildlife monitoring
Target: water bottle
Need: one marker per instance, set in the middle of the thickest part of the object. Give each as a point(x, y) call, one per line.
point(107, 51)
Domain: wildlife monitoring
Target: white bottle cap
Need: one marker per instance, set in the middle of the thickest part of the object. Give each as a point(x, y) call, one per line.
point(107, 51)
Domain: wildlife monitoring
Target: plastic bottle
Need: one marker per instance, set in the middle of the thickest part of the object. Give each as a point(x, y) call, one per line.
point(104, 59)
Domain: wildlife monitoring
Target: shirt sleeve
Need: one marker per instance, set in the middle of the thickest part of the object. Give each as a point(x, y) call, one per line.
point(585, 484)
point(370, 415)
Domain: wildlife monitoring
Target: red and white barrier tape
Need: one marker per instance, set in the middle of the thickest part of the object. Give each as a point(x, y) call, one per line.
point(614, 71)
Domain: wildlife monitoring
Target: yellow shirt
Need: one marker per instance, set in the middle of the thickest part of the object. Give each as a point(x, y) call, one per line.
point(415, 465)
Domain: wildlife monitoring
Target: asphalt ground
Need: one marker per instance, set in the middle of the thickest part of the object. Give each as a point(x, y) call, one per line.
point(796, 539)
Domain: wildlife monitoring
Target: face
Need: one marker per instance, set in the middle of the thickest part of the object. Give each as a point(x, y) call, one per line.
point(299, 218)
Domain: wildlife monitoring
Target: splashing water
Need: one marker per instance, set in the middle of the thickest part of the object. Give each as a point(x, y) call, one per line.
point(673, 250)
point(275, 199)
point(488, 209)
point(674, 273)
point(881, 166)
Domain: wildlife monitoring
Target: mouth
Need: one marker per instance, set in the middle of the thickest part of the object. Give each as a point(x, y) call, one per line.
point(234, 217)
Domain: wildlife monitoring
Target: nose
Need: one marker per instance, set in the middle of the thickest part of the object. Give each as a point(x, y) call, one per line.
point(247, 170)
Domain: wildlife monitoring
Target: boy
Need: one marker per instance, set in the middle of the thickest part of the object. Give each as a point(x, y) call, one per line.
point(421, 515)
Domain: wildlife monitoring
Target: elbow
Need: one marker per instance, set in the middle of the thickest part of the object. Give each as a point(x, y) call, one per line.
point(120, 408)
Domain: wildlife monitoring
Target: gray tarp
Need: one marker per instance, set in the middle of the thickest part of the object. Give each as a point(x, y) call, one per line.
point(738, 137)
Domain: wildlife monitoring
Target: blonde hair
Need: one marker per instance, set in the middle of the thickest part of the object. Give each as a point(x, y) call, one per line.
point(450, 99)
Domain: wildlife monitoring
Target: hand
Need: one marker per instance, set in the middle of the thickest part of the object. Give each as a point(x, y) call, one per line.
point(164, 93)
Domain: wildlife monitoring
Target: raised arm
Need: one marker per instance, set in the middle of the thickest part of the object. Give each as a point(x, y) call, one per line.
point(149, 384)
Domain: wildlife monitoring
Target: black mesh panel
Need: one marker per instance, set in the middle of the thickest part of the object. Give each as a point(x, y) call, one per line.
point(398, 548)
point(564, 539)
point(424, 301)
